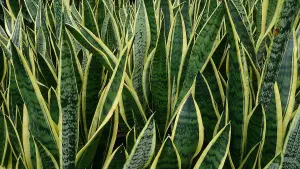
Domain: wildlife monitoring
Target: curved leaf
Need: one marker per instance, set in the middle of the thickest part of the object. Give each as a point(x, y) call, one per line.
point(167, 157)
point(117, 159)
point(143, 150)
point(291, 151)
point(283, 29)
point(200, 50)
point(83, 158)
point(40, 119)
point(188, 131)
point(275, 163)
point(215, 153)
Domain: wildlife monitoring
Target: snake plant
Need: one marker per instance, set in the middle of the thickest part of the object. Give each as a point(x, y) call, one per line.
point(166, 84)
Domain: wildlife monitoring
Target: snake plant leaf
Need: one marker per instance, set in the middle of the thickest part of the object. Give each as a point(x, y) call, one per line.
point(276, 163)
point(46, 71)
point(13, 7)
point(40, 42)
point(273, 137)
point(130, 139)
point(283, 29)
point(110, 38)
point(258, 22)
point(160, 85)
point(13, 137)
point(143, 150)
point(3, 133)
point(167, 157)
point(186, 18)
point(141, 46)
point(270, 12)
point(111, 94)
point(152, 22)
point(104, 26)
point(15, 99)
point(237, 14)
point(53, 105)
point(205, 101)
point(3, 67)
point(178, 40)
point(166, 8)
point(16, 35)
point(286, 79)
point(212, 77)
point(109, 6)
point(146, 77)
point(200, 51)
point(90, 89)
point(256, 127)
point(104, 112)
point(48, 161)
point(215, 153)
point(251, 159)
point(117, 159)
point(291, 150)
point(93, 44)
point(32, 8)
point(40, 21)
point(237, 98)
point(88, 18)
point(9, 21)
point(58, 14)
point(27, 141)
point(133, 109)
point(83, 157)
point(20, 163)
point(40, 120)
point(105, 146)
point(188, 131)
point(68, 100)
point(99, 14)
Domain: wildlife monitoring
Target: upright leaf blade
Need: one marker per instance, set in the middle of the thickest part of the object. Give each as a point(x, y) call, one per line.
point(117, 159)
point(68, 100)
point(215, 153)
point(40, 120)
point(188, 131)
point(143, 150)
point(167, 157)
point(141, 46)
point(160, 84)
point(283, 28)
point(200, 51)
point(291, 154)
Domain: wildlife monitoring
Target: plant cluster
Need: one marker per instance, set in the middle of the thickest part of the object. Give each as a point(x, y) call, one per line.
point(166, 84)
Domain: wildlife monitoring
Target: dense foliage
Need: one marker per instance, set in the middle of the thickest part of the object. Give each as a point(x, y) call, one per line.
point(167, 84)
